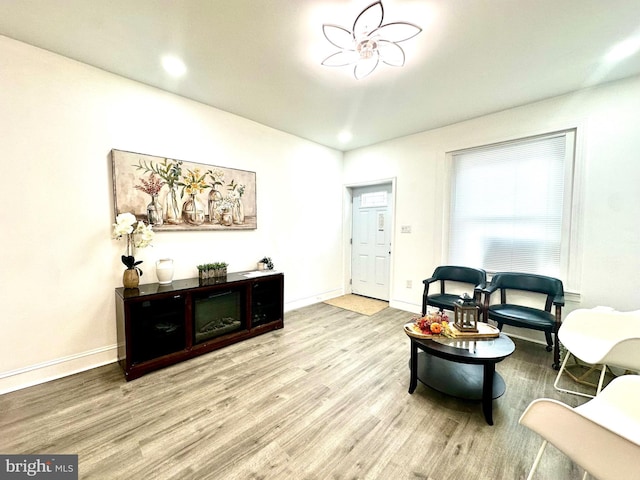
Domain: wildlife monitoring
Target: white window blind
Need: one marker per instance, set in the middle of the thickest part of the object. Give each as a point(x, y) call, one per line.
point(507, 203)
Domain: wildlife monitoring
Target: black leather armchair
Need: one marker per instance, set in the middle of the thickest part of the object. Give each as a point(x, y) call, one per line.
point(504, 313)
point(446, 301)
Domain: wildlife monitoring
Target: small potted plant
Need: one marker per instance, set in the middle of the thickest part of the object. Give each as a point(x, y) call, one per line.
point(212, 270)
point(202, 272)
point(219, 269)
point(265, 264)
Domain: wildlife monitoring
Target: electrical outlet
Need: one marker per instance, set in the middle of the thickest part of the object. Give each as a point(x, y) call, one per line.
point(409, 284)
point(405, 229)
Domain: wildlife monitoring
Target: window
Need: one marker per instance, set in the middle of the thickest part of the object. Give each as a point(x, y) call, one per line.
point(510, 206)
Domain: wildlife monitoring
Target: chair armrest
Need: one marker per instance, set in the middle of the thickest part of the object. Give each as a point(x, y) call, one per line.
point(429, 280)
point(480, 287)
point(559, 300)
point(489, 289)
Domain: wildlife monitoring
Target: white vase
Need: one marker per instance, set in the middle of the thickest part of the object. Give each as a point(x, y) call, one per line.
point(164, 271)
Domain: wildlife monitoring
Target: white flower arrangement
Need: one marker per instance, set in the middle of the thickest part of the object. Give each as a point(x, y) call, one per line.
point(139, 236)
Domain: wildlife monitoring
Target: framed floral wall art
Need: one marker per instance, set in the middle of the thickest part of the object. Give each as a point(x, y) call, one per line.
point(178, 195)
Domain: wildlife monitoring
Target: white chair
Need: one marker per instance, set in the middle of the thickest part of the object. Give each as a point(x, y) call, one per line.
point(601, 337)
point(602, 436)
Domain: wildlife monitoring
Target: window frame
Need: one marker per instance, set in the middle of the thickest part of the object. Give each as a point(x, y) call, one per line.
point(570, 248)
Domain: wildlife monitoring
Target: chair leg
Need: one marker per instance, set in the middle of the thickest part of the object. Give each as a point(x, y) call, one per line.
point(537, 460)
point(601, 381)
point(556, 352)
point(547, 336)
point(563, 370)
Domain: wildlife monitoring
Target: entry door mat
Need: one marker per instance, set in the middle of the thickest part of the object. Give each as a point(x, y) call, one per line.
point(358, 304)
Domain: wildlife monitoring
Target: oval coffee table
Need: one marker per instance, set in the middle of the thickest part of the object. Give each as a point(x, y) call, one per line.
point(462, 368)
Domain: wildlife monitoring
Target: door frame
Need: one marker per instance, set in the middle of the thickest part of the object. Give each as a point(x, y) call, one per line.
point(347, 227)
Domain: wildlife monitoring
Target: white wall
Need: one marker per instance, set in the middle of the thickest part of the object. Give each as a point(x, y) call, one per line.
point(59, 119)
point(608, 181)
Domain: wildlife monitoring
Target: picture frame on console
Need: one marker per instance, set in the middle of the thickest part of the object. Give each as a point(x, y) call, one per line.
point(175, 195)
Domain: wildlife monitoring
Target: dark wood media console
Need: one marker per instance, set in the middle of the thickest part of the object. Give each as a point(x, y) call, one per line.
point(160, 325)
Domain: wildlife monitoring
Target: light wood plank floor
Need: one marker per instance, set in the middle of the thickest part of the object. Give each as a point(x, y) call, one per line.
point(324, 398)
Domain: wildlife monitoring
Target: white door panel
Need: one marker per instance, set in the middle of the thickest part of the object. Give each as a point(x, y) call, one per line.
point(371, 242)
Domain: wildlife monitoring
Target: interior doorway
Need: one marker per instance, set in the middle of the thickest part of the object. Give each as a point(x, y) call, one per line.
point(371, 227)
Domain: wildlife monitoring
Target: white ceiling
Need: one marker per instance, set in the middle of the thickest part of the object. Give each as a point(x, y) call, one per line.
point(260, 59)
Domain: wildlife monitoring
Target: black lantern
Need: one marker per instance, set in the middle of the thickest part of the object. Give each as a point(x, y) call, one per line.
point(465, 313)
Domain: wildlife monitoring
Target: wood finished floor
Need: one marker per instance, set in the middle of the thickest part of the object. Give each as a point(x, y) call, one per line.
point(324, 398)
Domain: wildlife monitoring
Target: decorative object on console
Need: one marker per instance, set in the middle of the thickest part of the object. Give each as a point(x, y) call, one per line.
point(164, 271)
point(131, 276)
point(265, 264)
point(182, 189)
point(465, 314)
point(138, 237)
point(368, 42)
point(212, 270)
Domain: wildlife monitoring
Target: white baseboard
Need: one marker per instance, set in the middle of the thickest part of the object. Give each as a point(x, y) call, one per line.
point(305, 302)
point(60, 367)
point(407, 307)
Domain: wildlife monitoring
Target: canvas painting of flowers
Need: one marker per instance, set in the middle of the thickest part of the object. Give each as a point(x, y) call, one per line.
point(172, 194)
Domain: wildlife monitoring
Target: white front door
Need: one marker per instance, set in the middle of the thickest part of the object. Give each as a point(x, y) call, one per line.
point(371, 241)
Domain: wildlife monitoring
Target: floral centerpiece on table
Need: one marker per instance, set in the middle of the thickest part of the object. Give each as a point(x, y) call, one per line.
point(432, 324)
point(138, 235)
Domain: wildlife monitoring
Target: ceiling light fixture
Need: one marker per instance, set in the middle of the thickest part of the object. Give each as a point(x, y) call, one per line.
point(174, 66)
point(623, 50)
point(345, 136)
point(368, 42)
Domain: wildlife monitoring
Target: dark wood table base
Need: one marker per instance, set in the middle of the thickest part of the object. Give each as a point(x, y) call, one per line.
point(461, 374)
point(465, 381)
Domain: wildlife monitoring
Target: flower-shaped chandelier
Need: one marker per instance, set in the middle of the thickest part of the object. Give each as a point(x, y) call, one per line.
point(369, 42)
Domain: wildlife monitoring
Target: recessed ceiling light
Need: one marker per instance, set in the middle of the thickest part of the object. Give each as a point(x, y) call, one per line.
point(623, 49)
point(344, 136)
point(174, 66)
